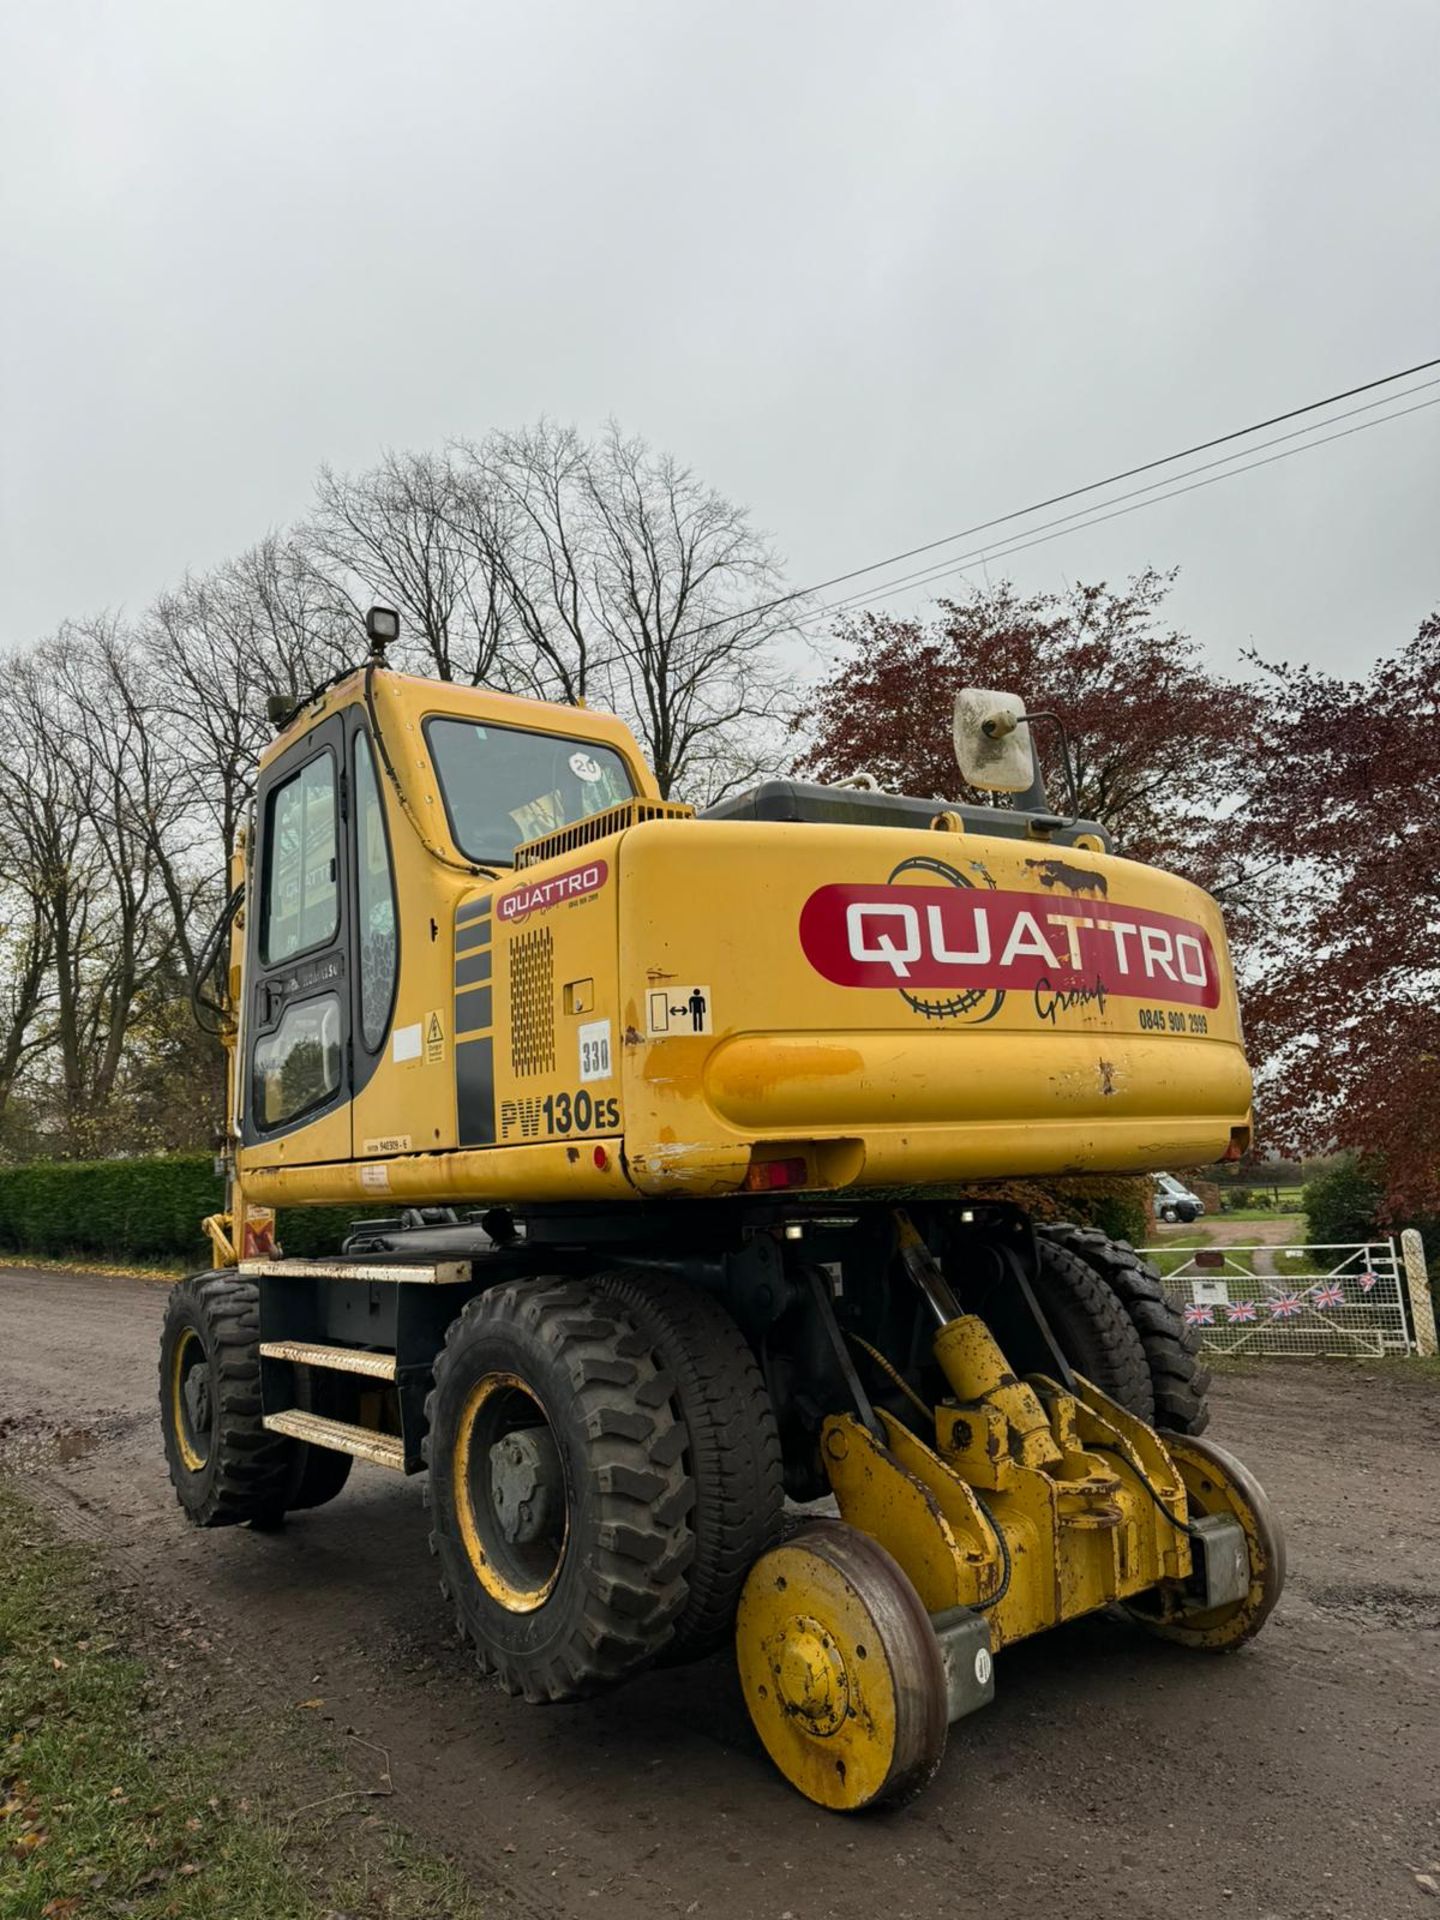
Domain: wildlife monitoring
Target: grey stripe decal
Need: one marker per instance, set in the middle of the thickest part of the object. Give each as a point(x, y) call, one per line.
point(474, 968)
point(475, 1092)
point(472, 1014)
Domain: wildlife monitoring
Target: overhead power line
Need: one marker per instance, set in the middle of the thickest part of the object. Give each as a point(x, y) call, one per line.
point(1055, 500)
point(1092, 517)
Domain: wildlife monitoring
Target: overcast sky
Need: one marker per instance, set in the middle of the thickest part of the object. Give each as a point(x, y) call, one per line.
point(879, 271)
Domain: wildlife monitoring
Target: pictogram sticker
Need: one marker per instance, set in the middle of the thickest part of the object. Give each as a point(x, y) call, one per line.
point(434, 1040)
point(671, 1011)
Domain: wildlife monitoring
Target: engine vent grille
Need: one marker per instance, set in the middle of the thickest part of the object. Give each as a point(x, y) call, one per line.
point(598, 827)
point(532, 1003)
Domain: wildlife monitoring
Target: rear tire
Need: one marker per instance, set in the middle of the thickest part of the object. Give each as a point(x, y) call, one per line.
point(558, 1491)
point(733, 1457)
point(318, 1474)
point(1092, 1328)
point(224, 1466)
point(1179, 1378)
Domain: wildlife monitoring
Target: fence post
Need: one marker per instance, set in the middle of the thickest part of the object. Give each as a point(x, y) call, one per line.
point(1422, 1309)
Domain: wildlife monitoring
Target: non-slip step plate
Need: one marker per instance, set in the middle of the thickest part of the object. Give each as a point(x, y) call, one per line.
point(394, 1273)
point(385, 1449)
point(307, 1353)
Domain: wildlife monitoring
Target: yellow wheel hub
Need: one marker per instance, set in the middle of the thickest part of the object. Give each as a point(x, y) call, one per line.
point(191, 1413)
point(810, 1676)
point(841, 1669)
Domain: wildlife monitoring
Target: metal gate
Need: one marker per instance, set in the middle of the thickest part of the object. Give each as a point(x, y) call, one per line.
point(1297, 1300)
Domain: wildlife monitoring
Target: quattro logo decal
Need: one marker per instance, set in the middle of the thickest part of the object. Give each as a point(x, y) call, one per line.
point(913, 937)
point(564, 887)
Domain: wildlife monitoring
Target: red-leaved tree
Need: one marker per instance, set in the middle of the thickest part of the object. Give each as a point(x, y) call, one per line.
point(1344, 1002)
point(1162, 745)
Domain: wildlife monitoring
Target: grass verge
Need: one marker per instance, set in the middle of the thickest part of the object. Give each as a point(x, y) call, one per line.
point(108, 1807)
point(169, 1271)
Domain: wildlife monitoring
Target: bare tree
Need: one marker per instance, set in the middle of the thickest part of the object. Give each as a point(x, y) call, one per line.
point(630, 584)
point(409, 534)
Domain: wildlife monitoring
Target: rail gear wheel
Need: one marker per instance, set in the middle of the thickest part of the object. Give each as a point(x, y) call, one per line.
point(841, 1669)
point(1179, 1378)
point(558, 1491)
point(224, 1466)
point(1094, 1332)
point(720, 1398)
point(1217, 1483)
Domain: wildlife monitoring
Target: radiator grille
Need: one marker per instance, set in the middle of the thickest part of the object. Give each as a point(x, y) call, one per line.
point(532, 1003)
point(598, 827)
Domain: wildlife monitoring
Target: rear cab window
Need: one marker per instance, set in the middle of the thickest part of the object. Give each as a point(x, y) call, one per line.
point(504, 786)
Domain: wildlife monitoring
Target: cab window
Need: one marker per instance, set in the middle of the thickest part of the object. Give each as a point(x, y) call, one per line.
point(503, 786)
point(298, 1066)
point(302, 893)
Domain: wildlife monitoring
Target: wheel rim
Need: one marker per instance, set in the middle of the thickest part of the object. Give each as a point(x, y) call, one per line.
point(1217, 1483)
point(841, 1669)
point(511, 1493)
point(192, 1410)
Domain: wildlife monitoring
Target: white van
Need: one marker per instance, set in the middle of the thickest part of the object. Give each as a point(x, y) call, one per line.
point(1175, 1202)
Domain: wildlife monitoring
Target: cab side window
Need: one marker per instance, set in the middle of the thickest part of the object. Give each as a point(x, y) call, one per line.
point(376, 946)
point(302, 891)
point(298, 1066)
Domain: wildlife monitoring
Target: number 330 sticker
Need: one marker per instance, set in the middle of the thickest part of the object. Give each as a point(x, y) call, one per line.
point(595, 1051)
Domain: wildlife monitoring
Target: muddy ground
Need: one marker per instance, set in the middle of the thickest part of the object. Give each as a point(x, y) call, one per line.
point(1112, 1777)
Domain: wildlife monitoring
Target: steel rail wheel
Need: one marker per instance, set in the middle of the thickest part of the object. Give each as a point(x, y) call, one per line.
point(558, 1492)
point(841, 1669)
point(1216, 1482)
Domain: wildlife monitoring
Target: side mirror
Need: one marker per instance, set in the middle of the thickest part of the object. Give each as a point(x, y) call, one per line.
point(992, 741)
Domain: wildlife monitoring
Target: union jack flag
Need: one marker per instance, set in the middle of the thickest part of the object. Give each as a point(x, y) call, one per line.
point(1369, 1282)
point(1199, 1316)
point(1332, 1294)
point(1240, 1310)
point(1286, 1306)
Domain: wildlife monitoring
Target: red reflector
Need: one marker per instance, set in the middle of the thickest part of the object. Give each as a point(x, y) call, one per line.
point(765, 1175)
point(602, 1159)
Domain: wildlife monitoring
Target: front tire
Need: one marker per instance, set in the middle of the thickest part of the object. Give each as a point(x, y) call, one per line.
point(558, 1491)
point(224, 1466)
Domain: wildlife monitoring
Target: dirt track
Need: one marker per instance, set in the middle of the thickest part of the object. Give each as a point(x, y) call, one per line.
point(1113, 1779)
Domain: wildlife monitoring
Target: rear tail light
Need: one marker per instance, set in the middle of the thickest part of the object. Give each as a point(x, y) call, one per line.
point(765, 1176)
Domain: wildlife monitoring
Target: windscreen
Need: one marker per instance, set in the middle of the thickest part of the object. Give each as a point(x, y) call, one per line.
point(503, 786)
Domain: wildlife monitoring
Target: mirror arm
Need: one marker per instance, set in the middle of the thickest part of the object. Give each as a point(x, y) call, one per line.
point(1072, 791)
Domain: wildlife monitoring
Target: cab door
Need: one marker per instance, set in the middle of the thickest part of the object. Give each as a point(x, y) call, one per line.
point(297, 1040)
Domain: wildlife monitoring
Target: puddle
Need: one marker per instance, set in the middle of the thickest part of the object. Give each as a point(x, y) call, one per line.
point(31, 1440)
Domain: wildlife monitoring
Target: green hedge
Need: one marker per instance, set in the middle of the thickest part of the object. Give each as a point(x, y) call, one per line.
point(138, 1210)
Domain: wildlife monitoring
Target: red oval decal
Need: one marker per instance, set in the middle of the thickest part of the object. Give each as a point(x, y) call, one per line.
point(908, 937)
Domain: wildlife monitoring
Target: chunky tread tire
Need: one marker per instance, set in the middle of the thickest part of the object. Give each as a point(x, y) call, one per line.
point(1179, 1378)
point(1093, 1330)
point(620, 1585)
point(246, 1471)
point(733, 1456)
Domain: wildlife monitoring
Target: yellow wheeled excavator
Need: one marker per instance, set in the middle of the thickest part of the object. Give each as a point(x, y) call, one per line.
point(680, 1127)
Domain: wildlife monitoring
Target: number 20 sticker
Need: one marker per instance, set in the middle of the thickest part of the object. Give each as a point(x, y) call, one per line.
point(595, 1051)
